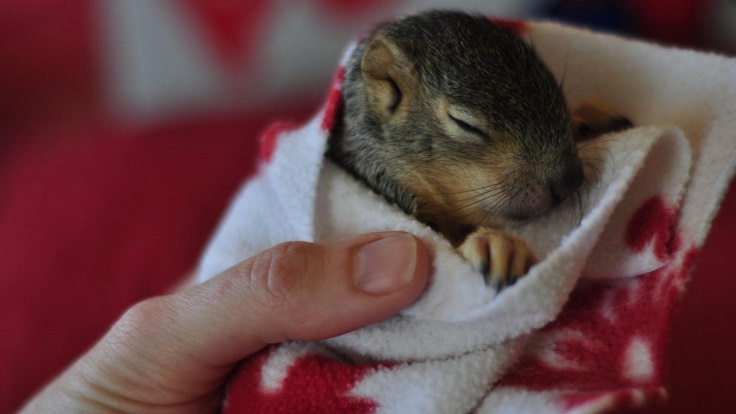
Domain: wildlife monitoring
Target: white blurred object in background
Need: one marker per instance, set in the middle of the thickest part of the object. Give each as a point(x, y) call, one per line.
point(160, 61)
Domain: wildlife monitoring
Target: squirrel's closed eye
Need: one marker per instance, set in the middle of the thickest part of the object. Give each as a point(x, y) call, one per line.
point(465, 126)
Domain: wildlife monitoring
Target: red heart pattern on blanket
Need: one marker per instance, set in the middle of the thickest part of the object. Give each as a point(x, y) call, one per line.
point(270, 138)
point(334, 99)
point(311, 383)
point(653, 223)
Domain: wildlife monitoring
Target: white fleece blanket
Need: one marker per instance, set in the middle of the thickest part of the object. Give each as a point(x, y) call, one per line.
point(585, 330)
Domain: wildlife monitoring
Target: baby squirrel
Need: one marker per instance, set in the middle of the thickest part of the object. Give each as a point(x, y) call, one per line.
point(457, 121)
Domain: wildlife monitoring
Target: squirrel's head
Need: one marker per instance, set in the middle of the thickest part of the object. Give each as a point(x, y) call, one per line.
point(458, 121)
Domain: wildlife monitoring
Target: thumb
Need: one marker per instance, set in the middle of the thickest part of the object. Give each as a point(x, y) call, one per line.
point(176, 351)
point(306, 291)
point(294, 291)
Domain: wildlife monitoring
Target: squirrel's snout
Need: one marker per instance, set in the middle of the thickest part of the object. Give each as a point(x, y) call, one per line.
point(570, 180)
point(541, 195)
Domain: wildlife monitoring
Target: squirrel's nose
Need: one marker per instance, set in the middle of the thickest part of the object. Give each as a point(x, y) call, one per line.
point(567, 183)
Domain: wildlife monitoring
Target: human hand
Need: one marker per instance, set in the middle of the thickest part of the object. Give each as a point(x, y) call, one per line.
point(173, 353)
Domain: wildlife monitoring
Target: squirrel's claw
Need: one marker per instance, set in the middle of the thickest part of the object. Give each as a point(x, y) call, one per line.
point(501, 258)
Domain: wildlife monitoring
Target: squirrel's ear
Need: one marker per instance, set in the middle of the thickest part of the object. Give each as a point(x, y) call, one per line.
point(387, 74)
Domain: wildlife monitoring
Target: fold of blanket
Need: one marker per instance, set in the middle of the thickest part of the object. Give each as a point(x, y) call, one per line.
point(585, 330)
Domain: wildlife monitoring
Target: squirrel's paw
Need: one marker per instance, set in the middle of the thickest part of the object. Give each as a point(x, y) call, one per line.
point(501, 258)
point(594, 118)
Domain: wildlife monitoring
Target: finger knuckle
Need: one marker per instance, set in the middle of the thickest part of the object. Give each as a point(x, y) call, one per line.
point(143, 321)
point(274, 274)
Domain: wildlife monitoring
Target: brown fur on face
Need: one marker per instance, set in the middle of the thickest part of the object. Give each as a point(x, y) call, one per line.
point(456, 200)
point(485, 184)
point(457, 121)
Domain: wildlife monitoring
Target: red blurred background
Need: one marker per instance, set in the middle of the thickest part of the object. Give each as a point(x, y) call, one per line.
point(125, 127)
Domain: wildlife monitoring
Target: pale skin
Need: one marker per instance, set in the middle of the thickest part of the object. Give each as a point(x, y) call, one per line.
point(173, 353)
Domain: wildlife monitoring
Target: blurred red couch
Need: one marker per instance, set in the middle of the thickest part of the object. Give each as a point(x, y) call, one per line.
point(96, 214)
